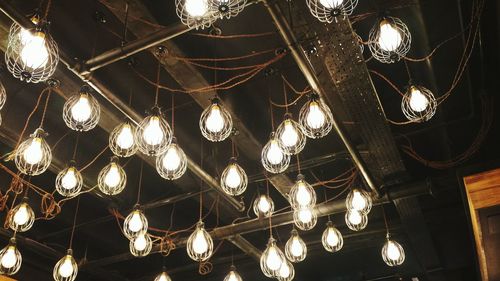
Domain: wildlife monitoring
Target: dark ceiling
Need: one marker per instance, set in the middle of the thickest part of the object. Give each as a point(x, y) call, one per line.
point(434, 230)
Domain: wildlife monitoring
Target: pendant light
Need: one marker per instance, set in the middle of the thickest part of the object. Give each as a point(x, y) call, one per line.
point(22, 216)
point(69, 181)
point(295, 248)
point(330, 10)
point(81, 112)
point(141, 245)
point(290, 135)
point(233, 275)
point(122, 141)
point(216, 123)
point(263, 206)
point(273, 156)
point(305, 218)
point(227, 8)
point(389, 40)
point(286, 271)
point(33, 156)
point(3, 95)
point(271, 259)
point(10, 258)
point(66, 269)
point(135, 223)
point(234, 180)
point(315, 117)
point(112, 178)
point(393, 253)
point(153, 135)
point(302, 194)
point(359, 200)
point(163, 276)
point(195, 13)
point(418, 104)
point(356, 220)
point(332, 239)
point(200, 245)
point(172, 163)
point(32, 54)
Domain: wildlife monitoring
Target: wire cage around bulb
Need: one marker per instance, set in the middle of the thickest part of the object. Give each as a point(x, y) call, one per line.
point(141, 245)
point(195, 13)
point(10, 259)
point(271, 259)
point(291, 136)
point(122, 140)
point(66, 269)
point(172, 163)
point(200, 245)
point(81, 112)
point(3, 95)
point(389, 40)
point(263, 206)
point(32, 54)
point(163, 276)
point(273, 156)
point(33, 156)
point(112, 178)
point(69, 181)
point(216, 124)
point(135, 223)
point(295, 248)
point(234, 179)
point(418, 104)
point(355, 220)
point(315, 117)
point(393, 253)
point(21, 217)
point(359, 200)
point(153, 134)
point(233, 275)
point(286, 272)
point(227, 8)
point(302, 194)
point(330, 10)
point(332, 239)
point(305, 218)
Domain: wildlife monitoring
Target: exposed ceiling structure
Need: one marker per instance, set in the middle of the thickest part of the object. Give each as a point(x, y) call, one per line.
point(274, 53)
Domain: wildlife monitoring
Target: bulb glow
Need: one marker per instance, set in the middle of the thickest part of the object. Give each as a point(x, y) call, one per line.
point(66, 269)
point(296, 247)
point(358, 201)
point(233, 178)
point(332, 239)
point(285, 270)
point(196, 8)
point(34, 53)
point(275, 154)
point(22, 216)
point(331, 4)
point(303, 196)
point(273, 259)
point(140, 242)
point(125, 139)
point(135, 224)
point(163, 277)
point(69, 180)
point(9, 259)
point(305, 215)
point(393, 252)
point(153, 134)
point(200, 244)
point(355, 217)
point(418, 102)
point(172, 160)
point(34, 153)
point(113, 177)
point(290, 136)
point(315, 117)
point(264, 205)
point(215, 120)
point(389, 37)
point(81, 111)
point(232, 276)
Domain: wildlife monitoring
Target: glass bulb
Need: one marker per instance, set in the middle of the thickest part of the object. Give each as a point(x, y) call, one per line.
point(359, 200)
point(113, 177)
point(290, 136)
point(233, 178)
point(34, 153)
point(275, 154)
point(273, 260)
point(69, 180)
point(303, 196)
point(196, 8)
point(22, 216)
point(263, 204)
point(331, 4)
point(286, 271)
point(9, 258)
point(125, 138)
point(135, 224)
point(153, 134)
point(215, 121)
point(163, 277)
point(332, 239)
point(305, 215)
point(172, 160)
point(81, 111)
point(315, 117)
point(66, 269)
point(34, 53)
point(233, 275)
point(140, 242)
point(296, 247)
point(418, 101)
point(200, 244)
point(393, 253)
point(389, 37)
point(355, 217)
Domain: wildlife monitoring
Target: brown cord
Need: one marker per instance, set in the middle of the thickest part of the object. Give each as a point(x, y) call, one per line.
point(140, 183)
point(45, 107)
point(173, 114)
point(74, 222)
point(157, 81)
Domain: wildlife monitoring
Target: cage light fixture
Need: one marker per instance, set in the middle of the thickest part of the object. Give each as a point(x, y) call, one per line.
point(332, 239)
point(389, 40)
point(302, 194)
point(81, 112)
point(234, 179)
point(291, 136)
point(141, 245)
point(393, 253)
point(32, 54)
point(172, 163)
point(355, 220)
point(273, 156)
point(295, 248)
point(329, 10)
point(22, 216)
point(3, 95)
point(163, 276)
point(286, 271)
point(271, 259)
point(153, 135)
point(359, 200)
point(112, 178)
point(200, 245)
point(69, 181)
point(263, 206)
point(216, 123)
point(33, 156)
point(122, 140)
point(135, 223)
point(233, 275)
point(195, 13)
point(10, 259)
point(66, 269)
point(315, 117)
point(305, 218)
point(418, 104)
point(227, 8)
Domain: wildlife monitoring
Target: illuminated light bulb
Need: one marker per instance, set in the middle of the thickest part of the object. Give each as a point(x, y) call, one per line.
point(302, 195)
point(153, 135)
point(196, 8)
point(172, 163)
point(216, 123)
point(22, 217)
point(234, 180)
point(389, 38)
point(122, 140)
point(273, 156)
point(332, 239)
point(316, 118)
point(291, 136)
point(356, 220)
point(10, 259)
point(393, 253)
point(135, 223)
point(125, 139)
point(331, 4)
point(286, 271)
point(163, 276)
point(271, 259)
point(66, 269)
point(81, 110)
point(418, 101)
point(172, 160)
point(305, 218)
point(359, 200)
point(140, 242)
point(34, 153)
point(69, 181)
point(34, 53)
point(112, 178)
point(263, 206)
point(295, 248)
point(141, 245)
point(200, 244)
point(33, 156)
point(233, 275)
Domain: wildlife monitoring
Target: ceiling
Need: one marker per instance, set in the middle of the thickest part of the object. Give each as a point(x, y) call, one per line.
point(433, 229)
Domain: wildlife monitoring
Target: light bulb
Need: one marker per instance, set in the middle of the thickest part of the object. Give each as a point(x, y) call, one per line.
point(135, 224)
point(389, 37)
point(286, 271)
point(196, 8)
point(331, 4)
point(354, 217)
point(34, 53)
point(393, 253)
point(200, 244)
point(140, 242)
point(172, 163)
point(263, 204)
point(141, 245)
point(125, 138)
point(233, 275)
point(305, 218)
point(171, 160)
point(273, 260)
point(290, 136)
point(163, 277)
point(295, 248)
point(332, 239)
point(275, 154)
point(302, 195)
point(356, 220)
point(34, 153)
point(69, 180)
point(81, 110)
point(113, 177)
point(315, 117)
point(233, 178)
point(215, 121)
point(153, 134)
point(305, 215)
point(9, 258)
point(66, 269)
point(418, 101)
point(359, 200)
point(22, 215)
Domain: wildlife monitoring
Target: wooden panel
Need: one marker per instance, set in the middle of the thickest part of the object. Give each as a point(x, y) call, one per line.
point(490, 224)
point(4, 278)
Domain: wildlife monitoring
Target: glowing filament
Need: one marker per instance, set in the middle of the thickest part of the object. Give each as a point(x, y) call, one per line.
point(81, 111)
point(418, 102)
point(153, 133)
point(9, 258)
point(315, 117)
point(34, 153)
point(389, 37)
point(196, 8)
point(69, 180)
point(113, 177)
point(275, 154)
point(34, 53)
point(215, 121)
point(172, 160)
point(331, 4)
point(125, 139)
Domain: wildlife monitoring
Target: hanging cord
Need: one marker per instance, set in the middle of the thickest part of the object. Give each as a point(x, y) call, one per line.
point(201, 181)
point(298, 164)
point(408, 71)
point(45, 107)
point(285, 96)
point(140, 184)
point(173, 114)
point(76, 145)
point(385, 220)
point(47, 9)
point(271, 112)
point(125, 24)
point(326, 200)
point(158, 80)
point(74, 223)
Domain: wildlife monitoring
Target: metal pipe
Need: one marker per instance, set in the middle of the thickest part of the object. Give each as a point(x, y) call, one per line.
point(298, 54)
